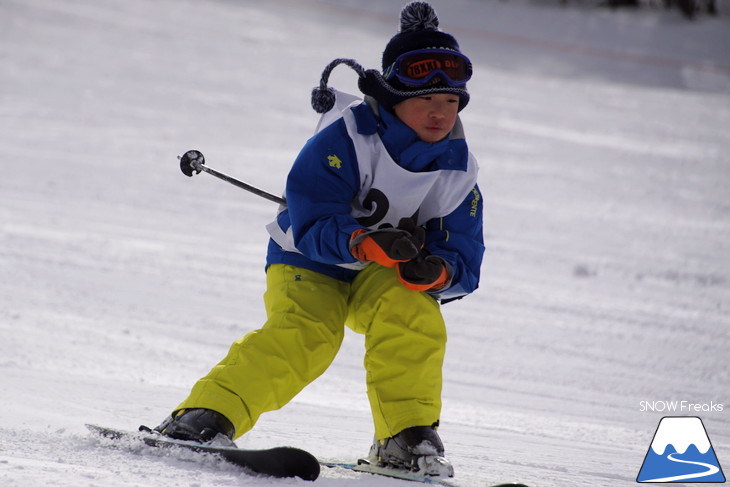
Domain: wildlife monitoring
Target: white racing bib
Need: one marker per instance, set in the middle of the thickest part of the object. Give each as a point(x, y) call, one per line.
point(387, 191)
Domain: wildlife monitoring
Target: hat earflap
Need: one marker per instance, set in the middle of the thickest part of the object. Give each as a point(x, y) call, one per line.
point(323, 97)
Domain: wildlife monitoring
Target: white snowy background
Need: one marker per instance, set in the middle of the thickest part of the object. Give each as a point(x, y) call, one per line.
point(603, 138)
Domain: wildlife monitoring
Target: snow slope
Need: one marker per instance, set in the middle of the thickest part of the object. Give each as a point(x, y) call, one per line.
point(603, 139)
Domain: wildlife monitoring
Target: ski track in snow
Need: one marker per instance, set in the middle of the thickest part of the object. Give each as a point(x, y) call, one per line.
point(605, 281)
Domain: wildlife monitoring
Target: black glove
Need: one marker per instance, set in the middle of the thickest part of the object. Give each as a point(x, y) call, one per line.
point(429, 273)
point(387, 245)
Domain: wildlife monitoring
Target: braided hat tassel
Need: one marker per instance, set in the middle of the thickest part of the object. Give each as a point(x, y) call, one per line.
point(323, 97)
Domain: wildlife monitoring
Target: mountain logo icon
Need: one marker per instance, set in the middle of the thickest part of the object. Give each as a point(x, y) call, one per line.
point(681, 452)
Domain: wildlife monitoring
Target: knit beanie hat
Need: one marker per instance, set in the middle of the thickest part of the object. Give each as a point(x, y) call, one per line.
point(418, 30)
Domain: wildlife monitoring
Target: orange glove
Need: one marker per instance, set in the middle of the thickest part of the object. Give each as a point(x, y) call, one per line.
point(388, 246)
point(424, 274)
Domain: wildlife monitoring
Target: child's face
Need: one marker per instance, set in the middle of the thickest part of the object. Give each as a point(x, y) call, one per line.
point(431, 116)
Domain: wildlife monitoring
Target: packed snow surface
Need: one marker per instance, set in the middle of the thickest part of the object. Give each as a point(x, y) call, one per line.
point(604, 148)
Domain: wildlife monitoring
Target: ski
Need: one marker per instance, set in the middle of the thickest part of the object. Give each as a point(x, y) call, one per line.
point(274, 462)
point(402, 474)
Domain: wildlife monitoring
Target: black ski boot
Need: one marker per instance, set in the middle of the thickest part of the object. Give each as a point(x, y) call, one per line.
point(417, 448)
point(199, 425)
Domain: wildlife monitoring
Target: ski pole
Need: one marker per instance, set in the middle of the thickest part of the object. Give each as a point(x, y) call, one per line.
point(193, 162)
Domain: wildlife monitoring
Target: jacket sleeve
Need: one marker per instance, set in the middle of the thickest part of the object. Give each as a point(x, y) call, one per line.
point(320, 187)
point(457, 238)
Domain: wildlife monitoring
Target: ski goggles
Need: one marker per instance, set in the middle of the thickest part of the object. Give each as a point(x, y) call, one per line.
point(418, 68)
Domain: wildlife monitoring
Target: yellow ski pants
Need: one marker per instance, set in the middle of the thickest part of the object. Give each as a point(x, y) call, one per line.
point(405, 341)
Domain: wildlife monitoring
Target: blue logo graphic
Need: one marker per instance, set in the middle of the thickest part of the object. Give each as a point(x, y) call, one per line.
point(681, 452)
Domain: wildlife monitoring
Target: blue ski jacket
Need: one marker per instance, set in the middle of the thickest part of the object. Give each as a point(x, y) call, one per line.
point(325, 182)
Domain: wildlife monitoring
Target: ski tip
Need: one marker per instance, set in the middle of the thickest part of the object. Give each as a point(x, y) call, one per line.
point(311, 474)
point(304, 464)
point(276, 462)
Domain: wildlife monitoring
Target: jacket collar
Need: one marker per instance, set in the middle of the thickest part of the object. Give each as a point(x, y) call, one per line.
point(403, 144)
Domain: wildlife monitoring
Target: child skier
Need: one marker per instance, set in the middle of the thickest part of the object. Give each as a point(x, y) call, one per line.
point(383, 223)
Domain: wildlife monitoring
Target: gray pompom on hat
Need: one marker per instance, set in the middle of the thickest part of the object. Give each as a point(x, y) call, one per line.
point(418, 30)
